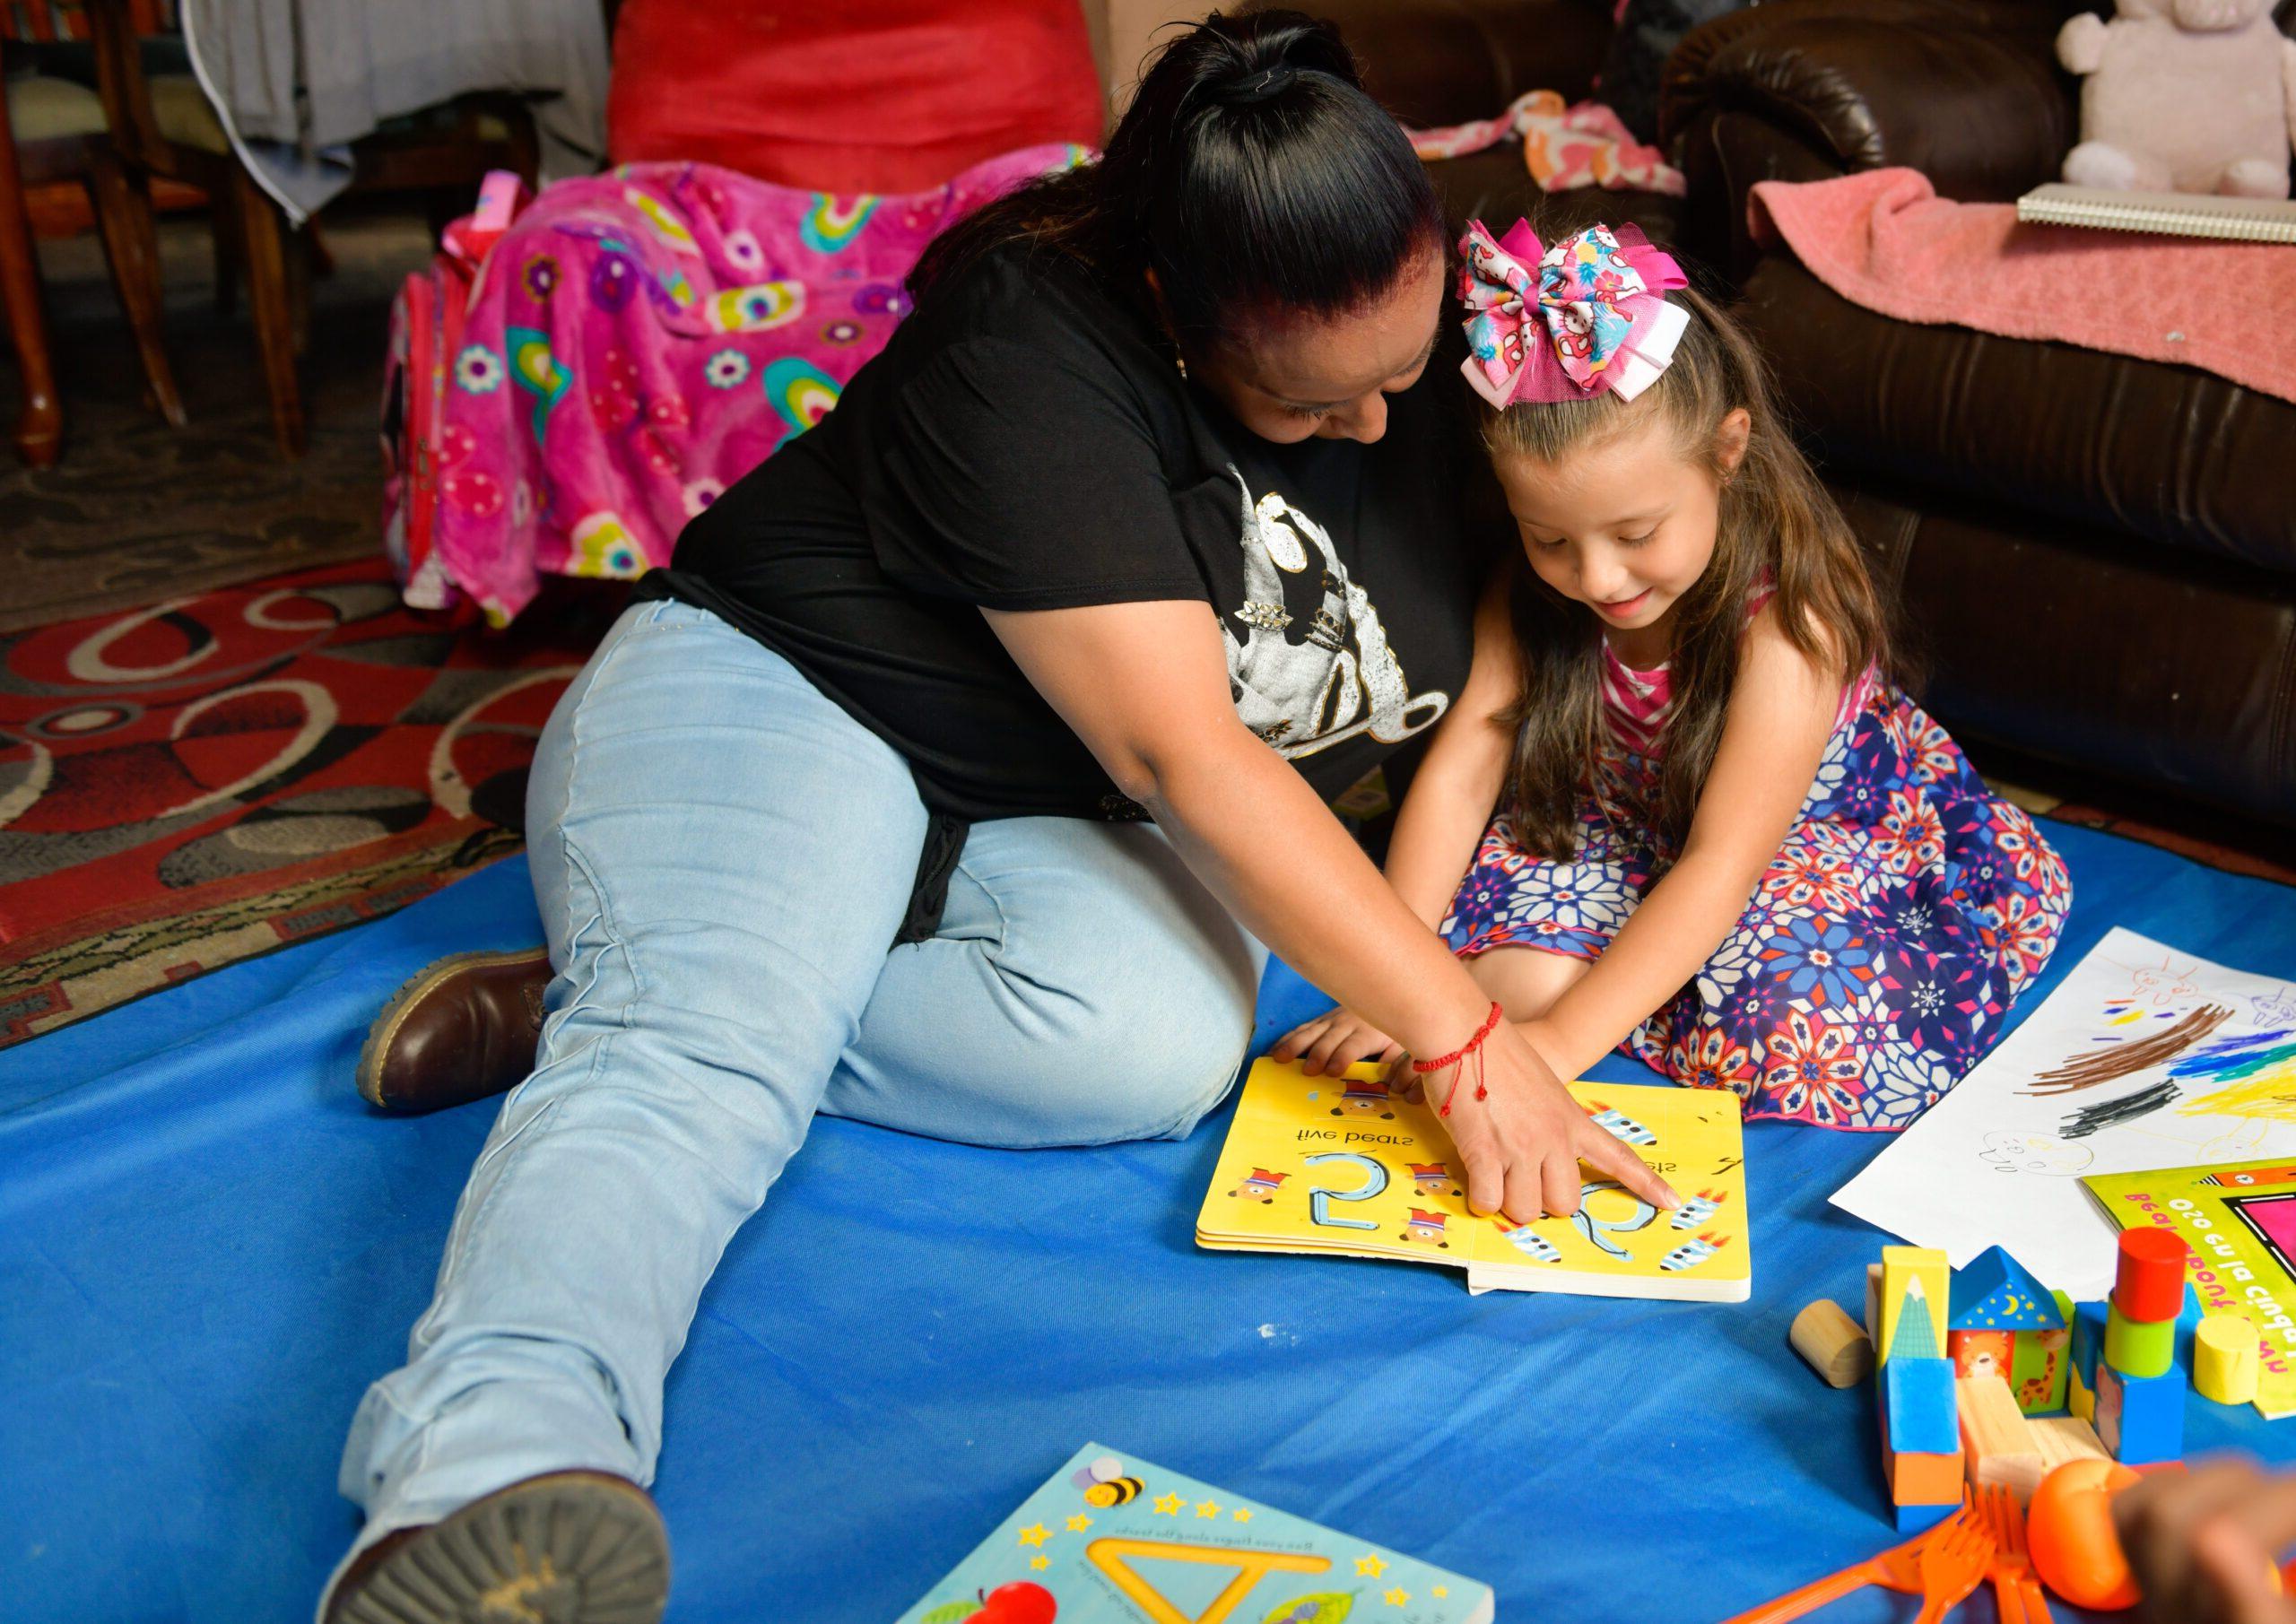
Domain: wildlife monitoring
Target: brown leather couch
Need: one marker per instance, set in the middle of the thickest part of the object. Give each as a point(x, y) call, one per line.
point(1433, 63)
point(2097, 555)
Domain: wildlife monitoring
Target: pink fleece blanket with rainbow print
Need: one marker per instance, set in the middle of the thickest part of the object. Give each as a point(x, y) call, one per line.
point(1886, 240)
point(631, 344)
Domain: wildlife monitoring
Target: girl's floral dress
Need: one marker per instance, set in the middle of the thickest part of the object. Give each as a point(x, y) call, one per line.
point(1908, 909)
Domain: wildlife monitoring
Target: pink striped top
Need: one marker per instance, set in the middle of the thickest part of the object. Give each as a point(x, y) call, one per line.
point(1635, 702)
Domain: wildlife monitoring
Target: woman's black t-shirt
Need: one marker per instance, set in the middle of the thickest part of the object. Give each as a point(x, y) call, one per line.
point(1025, 441)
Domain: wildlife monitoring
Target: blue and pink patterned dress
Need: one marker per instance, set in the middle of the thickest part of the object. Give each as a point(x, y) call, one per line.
point(1908, 909)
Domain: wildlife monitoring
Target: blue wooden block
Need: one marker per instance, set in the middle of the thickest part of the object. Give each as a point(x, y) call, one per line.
point(2088, 1340)
point(1916, 1519)
point(2187, 1325)
point(1918, 1406)
point(2141, 1419)
point(1995, 1292)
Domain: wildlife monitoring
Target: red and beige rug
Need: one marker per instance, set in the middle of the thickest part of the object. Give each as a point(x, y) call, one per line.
point(220, 774)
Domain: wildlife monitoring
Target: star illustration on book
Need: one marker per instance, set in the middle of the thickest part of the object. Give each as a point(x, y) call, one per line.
point(1035, 1533)
point(1168, 1504)
point(1039, 1563)
point(1206, 1508)
point(1243, 1514)
point(1079, 1523)
point(1369, 1566)
point(1439, 1591)
point(1397, 1596)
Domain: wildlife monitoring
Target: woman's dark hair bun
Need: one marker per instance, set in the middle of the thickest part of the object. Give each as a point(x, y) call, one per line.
point(1251, 171)
point(1252, 89)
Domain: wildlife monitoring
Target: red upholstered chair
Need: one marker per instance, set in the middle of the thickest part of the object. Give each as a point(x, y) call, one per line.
point(863, 96)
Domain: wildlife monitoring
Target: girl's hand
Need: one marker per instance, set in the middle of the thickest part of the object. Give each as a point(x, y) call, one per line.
point(2202, 1543)
point(1523, 1142)
point(1334, 1041)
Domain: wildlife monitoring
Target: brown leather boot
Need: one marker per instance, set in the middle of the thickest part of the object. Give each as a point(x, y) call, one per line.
point(564, 1548)
point(461, 1030)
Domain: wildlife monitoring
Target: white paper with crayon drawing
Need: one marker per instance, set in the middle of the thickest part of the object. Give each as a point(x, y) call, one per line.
point(2143, 1057)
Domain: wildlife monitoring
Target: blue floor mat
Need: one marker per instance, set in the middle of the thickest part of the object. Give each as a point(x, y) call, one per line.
point(208, 1247)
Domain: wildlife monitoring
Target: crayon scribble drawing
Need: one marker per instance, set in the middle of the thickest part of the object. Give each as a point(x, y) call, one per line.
point(2248, 1075)
point(2162, 985)
point(2142, 1056)
point(2118, 1111)
point(2131, 1052)
point(2034, 1153)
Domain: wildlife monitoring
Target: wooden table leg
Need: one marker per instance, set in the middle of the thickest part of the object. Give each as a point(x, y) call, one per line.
point(40, 431)
point(264, 229)
point(124, 213)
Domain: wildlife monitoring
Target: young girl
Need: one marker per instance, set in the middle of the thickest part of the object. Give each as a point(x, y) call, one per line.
point(1725, 840)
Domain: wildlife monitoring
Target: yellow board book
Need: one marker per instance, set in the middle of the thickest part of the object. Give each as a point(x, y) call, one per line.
point(1337, 1164)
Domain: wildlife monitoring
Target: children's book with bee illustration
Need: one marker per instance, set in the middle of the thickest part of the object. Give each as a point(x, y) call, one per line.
point(1340, 1164)
point(1113, 1540)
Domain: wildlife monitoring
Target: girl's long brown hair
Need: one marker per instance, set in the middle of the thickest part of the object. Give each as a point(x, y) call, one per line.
point(1775, 522)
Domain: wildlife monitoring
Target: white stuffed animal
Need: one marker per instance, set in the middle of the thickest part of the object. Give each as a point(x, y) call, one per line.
point(2182, 96)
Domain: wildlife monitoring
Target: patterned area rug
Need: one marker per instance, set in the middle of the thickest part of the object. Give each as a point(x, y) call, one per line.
point(220, 775)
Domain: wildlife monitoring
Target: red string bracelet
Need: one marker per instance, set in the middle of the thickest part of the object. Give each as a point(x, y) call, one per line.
point(1444, 1063)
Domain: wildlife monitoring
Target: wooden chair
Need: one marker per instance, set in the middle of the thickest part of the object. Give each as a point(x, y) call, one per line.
point(54, 140)
point(163, 129)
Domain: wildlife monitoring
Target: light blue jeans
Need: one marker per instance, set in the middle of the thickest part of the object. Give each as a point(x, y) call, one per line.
point(723, 857)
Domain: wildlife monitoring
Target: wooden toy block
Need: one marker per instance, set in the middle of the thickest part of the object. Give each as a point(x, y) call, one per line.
point(2139, 1348)
point(2078, 1398)
point(2149, 1276)
point(1981, 1352)
point(2065, 1438)
point(2037, 1372)
point(1919, 1479)
point(1925, 1480)
point(1920, 1518)
point(1834, 1344)
point(1996, 1436)
point(2002, 1321)
point(2048, 1363)
point(1914, 1297)
point(1997, 1293)
point(2088, 1341)
point(1873, 1304)
point(2141, 1419)
point(2226, 1359)
point(1918, 1413)
point(2187, 1325)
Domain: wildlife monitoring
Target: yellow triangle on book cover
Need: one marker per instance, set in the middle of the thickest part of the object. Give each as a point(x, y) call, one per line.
point(1109, 1556)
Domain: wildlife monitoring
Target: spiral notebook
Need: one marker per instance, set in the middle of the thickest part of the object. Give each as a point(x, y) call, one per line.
point(2167, 213)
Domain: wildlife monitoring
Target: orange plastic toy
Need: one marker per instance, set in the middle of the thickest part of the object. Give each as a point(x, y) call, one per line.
point(2069, 1527)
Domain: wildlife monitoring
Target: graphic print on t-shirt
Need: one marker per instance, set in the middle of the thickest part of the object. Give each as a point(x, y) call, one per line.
point(1339, 678)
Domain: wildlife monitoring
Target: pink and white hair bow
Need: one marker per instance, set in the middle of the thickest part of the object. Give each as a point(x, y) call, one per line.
point(1568, 322)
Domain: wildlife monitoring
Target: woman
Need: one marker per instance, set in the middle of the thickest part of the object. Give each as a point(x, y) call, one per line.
point(1153, 510)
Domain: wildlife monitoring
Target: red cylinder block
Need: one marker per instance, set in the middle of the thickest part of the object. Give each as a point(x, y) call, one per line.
point(2150, 1284)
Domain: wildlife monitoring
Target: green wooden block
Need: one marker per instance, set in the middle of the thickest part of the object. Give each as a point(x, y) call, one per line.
point(2138, 1347)
point(2039, 1368)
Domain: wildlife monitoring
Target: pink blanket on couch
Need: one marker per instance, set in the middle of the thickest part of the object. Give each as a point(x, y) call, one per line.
point(630, 346)
point(1883, 239)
